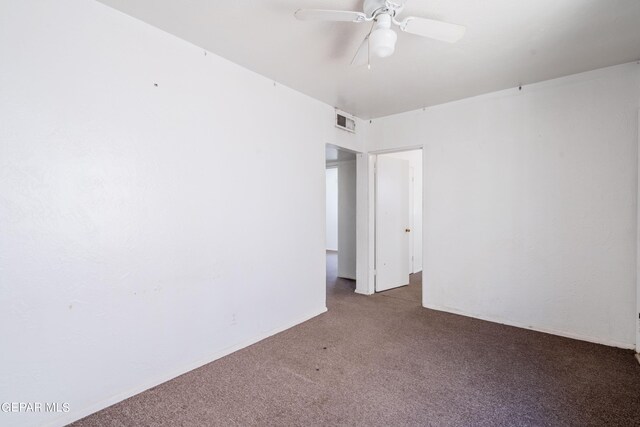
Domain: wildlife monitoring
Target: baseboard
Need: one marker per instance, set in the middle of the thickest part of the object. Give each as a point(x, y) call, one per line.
point(638, 357)
point(77, 415)
point(580, 337)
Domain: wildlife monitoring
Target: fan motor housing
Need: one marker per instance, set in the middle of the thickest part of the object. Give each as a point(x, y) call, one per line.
point(372, 7)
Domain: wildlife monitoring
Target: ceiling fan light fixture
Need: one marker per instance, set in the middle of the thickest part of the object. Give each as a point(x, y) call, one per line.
point(382, 40)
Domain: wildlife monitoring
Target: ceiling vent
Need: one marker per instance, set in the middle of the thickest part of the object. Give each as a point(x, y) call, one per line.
point(345, 121)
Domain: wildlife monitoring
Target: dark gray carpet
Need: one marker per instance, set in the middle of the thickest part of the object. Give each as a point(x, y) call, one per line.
point(383, 360)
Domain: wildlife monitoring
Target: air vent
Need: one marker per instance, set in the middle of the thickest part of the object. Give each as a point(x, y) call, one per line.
point(345, 121)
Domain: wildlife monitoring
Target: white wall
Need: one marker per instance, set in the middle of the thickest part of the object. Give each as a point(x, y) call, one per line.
point(415, 163)
point(332, 209)
point(347, 219)
point(530, 203)
point(145, 230)
point(638, 249)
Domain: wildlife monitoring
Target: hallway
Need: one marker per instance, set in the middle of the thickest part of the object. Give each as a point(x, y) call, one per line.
point(338, 287)
point(385, 360)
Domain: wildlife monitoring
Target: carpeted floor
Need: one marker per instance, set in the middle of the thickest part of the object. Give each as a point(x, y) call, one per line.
point(383, 360)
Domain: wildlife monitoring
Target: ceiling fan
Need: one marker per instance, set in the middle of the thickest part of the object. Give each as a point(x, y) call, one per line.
point(381, 40)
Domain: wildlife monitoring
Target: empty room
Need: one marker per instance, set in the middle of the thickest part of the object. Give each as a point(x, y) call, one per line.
point(319, 213)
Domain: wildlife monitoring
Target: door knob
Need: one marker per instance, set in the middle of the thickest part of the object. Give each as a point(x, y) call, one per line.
point(407, 230)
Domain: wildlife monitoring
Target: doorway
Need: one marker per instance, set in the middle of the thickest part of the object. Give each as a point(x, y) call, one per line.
point(398, 223)
point(341, 176)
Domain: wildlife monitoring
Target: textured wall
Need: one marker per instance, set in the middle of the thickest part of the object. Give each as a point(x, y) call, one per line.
point(530, 203)
point(151, 205)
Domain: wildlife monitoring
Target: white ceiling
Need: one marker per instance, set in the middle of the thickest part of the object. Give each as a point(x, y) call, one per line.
point(507, 43)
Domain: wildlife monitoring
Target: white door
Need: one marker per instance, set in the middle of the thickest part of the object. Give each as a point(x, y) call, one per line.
point(392, 223)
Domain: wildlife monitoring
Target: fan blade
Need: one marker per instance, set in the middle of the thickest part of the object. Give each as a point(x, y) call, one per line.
point(330, 15)
point(438, 30)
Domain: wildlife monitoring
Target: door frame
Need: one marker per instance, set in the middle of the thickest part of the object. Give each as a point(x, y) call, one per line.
point(371, 220)
point(361, 169)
